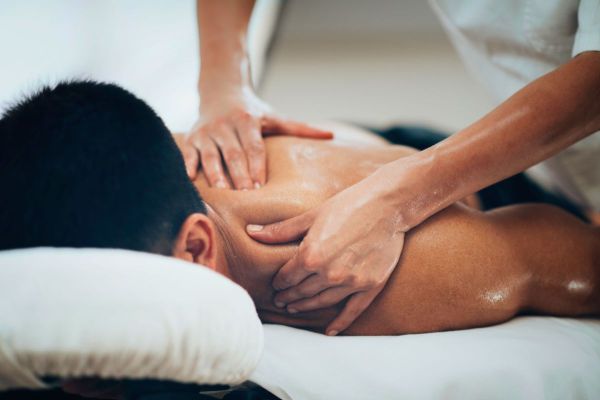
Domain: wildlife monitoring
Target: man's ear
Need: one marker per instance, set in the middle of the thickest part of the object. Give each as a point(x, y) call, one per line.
point(197, 242)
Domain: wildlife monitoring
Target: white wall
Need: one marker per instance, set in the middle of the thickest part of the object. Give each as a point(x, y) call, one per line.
point(343, 19)
point(149, 48)
point(375, 62)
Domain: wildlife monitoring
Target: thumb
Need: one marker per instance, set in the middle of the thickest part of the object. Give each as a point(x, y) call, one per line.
point(279, 126)
point(284, 231)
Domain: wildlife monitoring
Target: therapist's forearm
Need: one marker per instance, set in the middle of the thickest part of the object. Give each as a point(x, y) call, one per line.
point(222, 26)
point(537, 122)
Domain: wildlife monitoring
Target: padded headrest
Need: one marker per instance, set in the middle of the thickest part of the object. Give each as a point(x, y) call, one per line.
point(121, 314)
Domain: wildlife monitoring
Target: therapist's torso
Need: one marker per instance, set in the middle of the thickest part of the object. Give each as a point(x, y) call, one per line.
point(507, 44)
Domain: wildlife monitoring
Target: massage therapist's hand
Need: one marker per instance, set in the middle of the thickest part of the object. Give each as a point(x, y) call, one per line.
point(231, 125)
point(232, 118)
point(353, 242)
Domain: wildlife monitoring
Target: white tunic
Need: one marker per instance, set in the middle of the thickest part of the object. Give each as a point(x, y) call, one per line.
point(508, 43)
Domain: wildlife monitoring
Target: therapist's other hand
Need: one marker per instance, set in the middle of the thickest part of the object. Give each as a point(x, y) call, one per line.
point(230, 130)
point(351, 245)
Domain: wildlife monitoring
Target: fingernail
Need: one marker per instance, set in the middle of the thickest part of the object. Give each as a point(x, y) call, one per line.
point(292, 310)
point(256, 185)
point(279, 304)
point(332, 333)
point(220, 185)
point(254, 228)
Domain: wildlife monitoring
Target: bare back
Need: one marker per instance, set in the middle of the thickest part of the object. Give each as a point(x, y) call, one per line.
point(458, 269)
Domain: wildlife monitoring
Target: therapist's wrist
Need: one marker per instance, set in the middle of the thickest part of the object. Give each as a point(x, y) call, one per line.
point(222, 85)
point(219, 99)
point(411, 185)
point(226, 68)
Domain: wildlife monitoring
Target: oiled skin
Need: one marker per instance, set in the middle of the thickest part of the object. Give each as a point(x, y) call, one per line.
point(460, 269)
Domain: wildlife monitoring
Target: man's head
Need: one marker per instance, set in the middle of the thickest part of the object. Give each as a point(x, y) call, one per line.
point(86, 164)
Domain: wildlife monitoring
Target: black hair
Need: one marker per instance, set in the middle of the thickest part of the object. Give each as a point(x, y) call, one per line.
point(88, 164)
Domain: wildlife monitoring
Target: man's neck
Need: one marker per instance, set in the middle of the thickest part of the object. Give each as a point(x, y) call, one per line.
point(229, 261)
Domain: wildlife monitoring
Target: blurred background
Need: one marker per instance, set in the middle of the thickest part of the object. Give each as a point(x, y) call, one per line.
point(374, 62)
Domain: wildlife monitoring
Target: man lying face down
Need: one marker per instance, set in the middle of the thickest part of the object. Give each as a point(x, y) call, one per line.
point(87, 164)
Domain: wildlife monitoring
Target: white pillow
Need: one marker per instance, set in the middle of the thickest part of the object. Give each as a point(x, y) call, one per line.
point(121, 314)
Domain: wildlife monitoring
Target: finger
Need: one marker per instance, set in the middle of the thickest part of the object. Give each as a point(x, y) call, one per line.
point(284, 231)
point(234, 156)
point(211, 163)
point(191, 159)
point(290, 274)
point(309, 287)
point(248, 130)
point(352, 310)
point(279, 126)
point(324, 299)
point(189, 154)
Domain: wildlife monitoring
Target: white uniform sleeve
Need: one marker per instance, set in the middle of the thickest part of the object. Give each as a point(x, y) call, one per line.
point(587, 37)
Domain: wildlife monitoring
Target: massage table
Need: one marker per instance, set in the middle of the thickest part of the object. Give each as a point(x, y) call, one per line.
point(154, 320)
